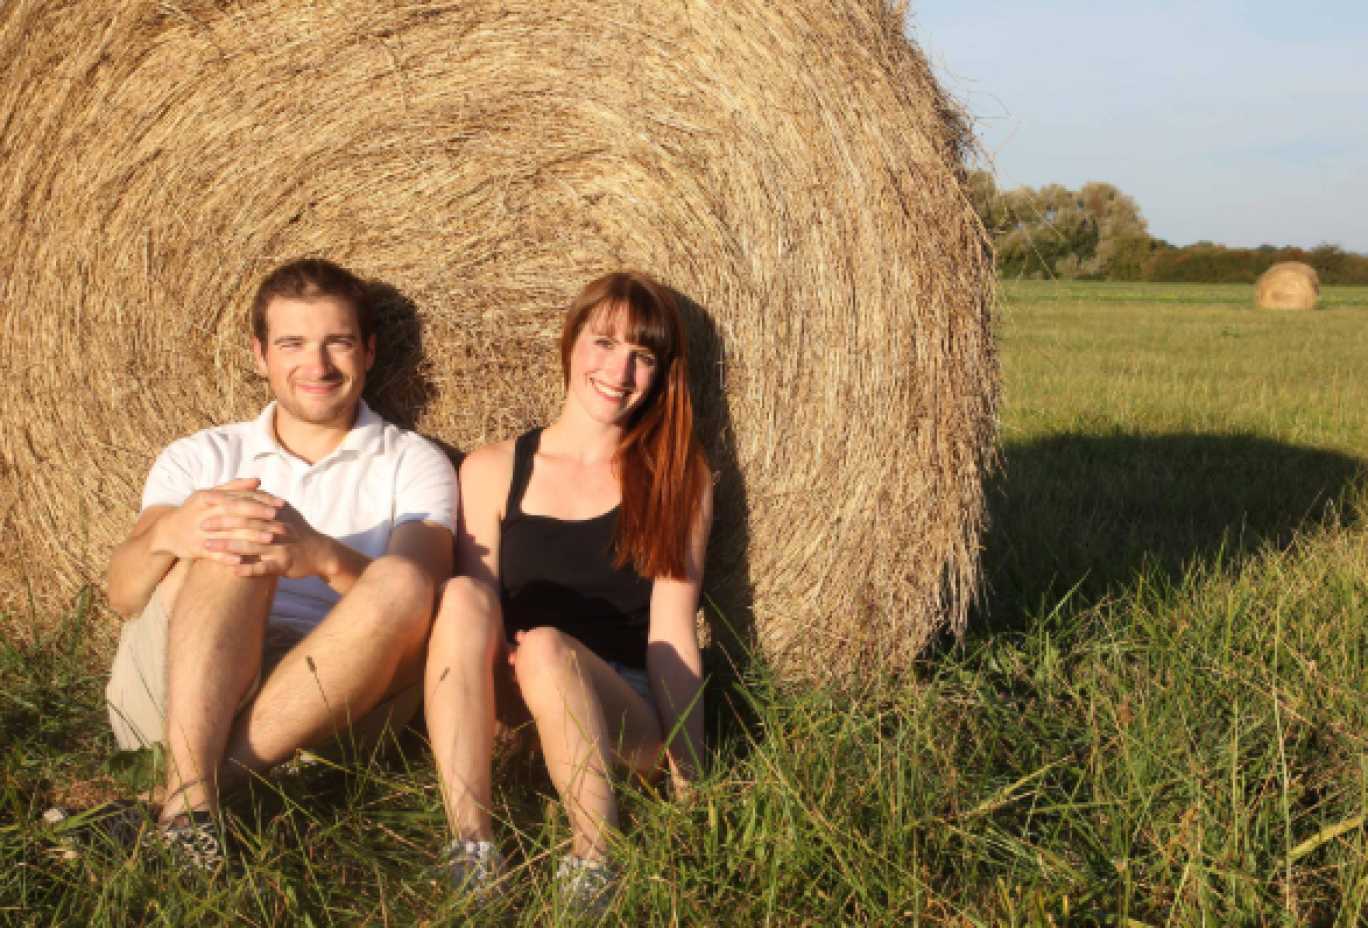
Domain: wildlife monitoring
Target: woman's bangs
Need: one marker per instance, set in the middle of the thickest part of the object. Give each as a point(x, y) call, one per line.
point(643, 322)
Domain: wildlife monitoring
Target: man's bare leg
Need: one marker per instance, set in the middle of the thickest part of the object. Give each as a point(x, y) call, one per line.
point(213, 655)
point(372, 645)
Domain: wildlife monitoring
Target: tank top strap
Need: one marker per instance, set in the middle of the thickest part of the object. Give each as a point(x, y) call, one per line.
point(524, 450)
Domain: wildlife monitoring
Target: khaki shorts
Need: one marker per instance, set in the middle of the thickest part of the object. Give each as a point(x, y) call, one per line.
point(136, 694)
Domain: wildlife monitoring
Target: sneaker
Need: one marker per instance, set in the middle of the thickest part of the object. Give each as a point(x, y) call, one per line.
point(588, 887)
point(195, 841)
point(118, 825)
point(476, 868)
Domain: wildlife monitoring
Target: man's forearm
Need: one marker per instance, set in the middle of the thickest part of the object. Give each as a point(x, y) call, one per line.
point(135, 569)
point(340, 566)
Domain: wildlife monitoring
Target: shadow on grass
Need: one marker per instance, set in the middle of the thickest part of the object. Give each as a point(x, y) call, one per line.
point(51, 711)
point(1083, 515)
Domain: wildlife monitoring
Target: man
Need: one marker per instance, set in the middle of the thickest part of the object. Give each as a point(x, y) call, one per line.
point(283, 570)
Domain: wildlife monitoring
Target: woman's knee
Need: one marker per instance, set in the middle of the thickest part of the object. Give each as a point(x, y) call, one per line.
point(467, 618)
point(546, 647)
point(547, 662)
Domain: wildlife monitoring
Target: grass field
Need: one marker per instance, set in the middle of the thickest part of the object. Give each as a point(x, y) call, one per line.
point(1240, 296)
point(1159, 717)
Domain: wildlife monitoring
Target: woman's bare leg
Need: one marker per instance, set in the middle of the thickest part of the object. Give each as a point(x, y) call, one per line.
point(585, 716)
point(459, 700)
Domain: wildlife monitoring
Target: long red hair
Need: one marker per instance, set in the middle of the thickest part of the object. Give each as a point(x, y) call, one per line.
point(659, 462)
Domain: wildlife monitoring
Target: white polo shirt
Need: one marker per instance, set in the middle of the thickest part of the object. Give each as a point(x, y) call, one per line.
point(380, 476)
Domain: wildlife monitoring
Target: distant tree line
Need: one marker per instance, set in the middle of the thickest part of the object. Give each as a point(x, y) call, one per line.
point(1099, 233)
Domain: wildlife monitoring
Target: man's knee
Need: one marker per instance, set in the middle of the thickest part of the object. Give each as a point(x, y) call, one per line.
point(205, 586)
point(401, 595)
point(205, 572)
point(170, 586)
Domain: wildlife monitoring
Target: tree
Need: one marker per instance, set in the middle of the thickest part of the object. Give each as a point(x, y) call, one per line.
point(1054, 231)
point(1128, 255)
point(1098, 232)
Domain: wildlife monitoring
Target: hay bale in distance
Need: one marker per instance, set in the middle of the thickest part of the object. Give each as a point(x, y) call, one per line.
point(1288, 285)
point(793, 169)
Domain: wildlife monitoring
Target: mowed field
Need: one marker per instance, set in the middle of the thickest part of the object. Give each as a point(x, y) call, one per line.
point(1169, 423)
point(1159, 717)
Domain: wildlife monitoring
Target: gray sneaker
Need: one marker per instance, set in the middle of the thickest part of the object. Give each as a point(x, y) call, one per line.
point(195, 842)
point(587, 887)
point(476, 868)
point(116, 825)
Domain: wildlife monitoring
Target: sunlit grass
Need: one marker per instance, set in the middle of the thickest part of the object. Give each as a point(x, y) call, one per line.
point(1107, 292)
point(1160, 717)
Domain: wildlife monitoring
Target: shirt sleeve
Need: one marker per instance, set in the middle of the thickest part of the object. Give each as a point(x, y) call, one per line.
point(426, 489)
point(173, 477)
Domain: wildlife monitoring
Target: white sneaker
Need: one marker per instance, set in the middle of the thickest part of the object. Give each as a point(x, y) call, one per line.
point(476, 868)
point(589, 887)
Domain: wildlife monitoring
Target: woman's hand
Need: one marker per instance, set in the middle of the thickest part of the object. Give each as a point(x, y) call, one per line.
point(512, 648)
point(684, 788)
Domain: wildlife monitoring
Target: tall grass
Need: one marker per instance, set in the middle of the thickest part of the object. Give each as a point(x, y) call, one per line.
point(1160, 718)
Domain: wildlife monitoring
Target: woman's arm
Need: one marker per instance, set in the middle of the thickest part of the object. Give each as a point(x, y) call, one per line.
point(485, 476)
point(673, 659)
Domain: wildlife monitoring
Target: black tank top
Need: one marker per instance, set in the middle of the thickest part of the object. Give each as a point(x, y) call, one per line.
point(560, 573)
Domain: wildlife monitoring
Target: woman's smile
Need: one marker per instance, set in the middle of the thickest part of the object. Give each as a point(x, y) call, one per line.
point(615, 394)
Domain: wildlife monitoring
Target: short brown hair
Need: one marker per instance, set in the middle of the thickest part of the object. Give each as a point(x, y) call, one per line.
point(310, 278)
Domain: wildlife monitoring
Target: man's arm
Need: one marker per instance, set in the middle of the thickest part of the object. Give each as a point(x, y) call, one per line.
point(288, 546)
point(426, 544)
point(138, 564)
point(431, 497)
point(164, 534)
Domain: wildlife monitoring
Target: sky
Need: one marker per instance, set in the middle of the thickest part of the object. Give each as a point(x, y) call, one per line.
point(1241, 123)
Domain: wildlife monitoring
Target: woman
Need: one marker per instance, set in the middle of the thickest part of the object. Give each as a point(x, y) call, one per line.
point(579, 561)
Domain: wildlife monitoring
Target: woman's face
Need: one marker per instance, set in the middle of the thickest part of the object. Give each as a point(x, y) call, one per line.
point(609, 376)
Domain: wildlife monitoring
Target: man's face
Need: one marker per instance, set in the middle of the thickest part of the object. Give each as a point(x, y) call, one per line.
point(315, 360)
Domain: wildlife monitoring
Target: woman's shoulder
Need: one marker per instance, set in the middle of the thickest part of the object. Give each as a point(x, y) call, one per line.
point(496, 456)
point(487, 467)
point(485, 476)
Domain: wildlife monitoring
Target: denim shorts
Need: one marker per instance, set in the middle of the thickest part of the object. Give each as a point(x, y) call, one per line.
point(637, 679)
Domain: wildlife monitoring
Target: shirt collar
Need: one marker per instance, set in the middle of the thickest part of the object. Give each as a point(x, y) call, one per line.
point(261, 438)
point(367, 435)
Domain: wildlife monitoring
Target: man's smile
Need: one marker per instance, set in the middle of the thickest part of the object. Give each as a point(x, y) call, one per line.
point(318, 387)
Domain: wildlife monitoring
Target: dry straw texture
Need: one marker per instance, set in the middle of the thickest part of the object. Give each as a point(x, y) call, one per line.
point(1288, 285)
point(791, 168)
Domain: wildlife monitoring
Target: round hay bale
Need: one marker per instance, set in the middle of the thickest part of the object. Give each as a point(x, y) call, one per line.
point(791, 169)
point(1288, 285)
